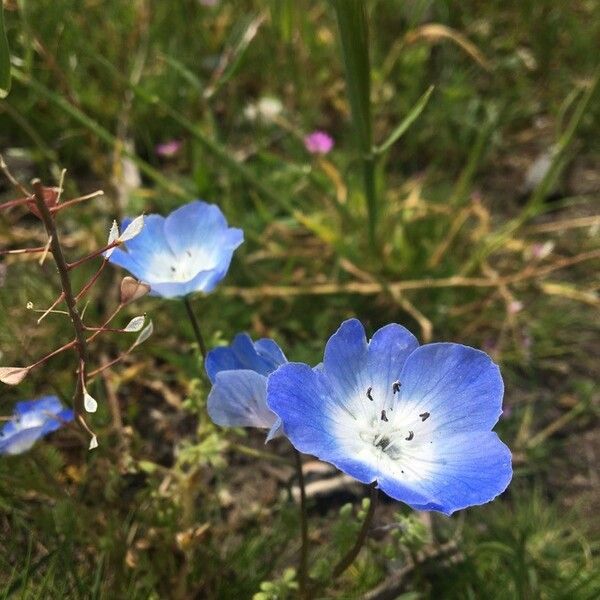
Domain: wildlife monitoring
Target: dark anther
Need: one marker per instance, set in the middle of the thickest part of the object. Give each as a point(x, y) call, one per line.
point(411, 435)
point(424, 416)
point(188, 253)
point(173, 269)
point(396, 386)
point(383, 443)
point(384, 416)
point(369, 394)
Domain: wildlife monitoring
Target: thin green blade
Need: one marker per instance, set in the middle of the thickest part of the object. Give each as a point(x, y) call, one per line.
point(4, 58)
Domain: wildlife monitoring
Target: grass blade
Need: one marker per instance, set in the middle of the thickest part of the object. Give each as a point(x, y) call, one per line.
point(410, 118)
point(354, 36)
point(4, 58)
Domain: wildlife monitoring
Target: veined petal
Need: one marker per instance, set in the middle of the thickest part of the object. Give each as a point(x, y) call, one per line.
point(345, 364)
point(388, 351)
point(238, 399)
point(462, 470)
point(44, 405)
point(310, 413)
point(270, 351)
point(459, 387)
point(194, 224)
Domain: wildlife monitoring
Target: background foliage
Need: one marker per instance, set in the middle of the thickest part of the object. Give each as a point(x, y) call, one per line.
point(487, 235)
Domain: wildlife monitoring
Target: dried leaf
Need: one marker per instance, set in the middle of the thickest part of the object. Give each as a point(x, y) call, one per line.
point(13, 375)
point(93, 443)
point(132, 289)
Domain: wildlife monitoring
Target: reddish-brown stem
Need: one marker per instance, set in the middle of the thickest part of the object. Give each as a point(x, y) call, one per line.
point(26, 250)
point(60, 207)
point(91, 282)
point(92, 255)
point(60, 298)
point(63, 271)
point(106, 323)
point(111, 363)
point(53, 353)
point(16, 202)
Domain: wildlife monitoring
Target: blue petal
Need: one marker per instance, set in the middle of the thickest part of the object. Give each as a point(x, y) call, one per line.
point(270, 351)
point(460, 387)
point(345, 363)
point(238, 399)
point(243, 354)
point(220, 359)
point(388, 351)
point(313, 419)
point(21, 441)
point(149, 256)
point(468, 469)
point(275, 431)
point(127, 261)
point(194, 224)
point(46, 404)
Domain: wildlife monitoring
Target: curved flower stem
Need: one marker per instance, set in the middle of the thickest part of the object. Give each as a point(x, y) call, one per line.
point(348, 559)
point(195, 326)
point(303, 566)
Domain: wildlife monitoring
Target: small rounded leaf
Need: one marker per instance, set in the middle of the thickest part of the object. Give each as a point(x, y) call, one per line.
point(89, 403)
point(132, 229)
point(13, 375)
point(135, 324)
point(132, 289)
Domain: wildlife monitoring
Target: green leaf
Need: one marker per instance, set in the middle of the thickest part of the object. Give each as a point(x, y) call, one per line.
point(410, 118)
point(4, 58)
point(354, 36)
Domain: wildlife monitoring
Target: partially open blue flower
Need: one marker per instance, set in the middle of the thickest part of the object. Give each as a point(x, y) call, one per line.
point(239, 375)
point(188, 251)
point(32, 420)
point(417, 420)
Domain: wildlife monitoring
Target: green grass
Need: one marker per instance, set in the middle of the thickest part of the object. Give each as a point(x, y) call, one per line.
point(170, 505)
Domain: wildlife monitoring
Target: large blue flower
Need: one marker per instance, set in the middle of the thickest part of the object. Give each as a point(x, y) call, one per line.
point(417, 420)
point(188, 251)
point(32, 420)
point(239, 375)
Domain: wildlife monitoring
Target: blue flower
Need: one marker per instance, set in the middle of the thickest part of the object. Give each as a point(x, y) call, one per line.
point(188, 251)
point(239, 375)
point(417, 420)
point(32, 420)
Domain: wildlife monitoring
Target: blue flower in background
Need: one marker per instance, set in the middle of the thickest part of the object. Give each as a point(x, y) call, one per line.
point(239, 375)
point(188, 251)
point(417, 420)
point(31, 421)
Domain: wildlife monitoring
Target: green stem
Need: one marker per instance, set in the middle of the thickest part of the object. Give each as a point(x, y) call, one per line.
point(371, 196)
point(303, 568)
point(351, 555)
point(195, 326)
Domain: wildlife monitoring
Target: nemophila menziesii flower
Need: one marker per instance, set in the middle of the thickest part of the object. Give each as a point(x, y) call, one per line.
point(188, 251)
point(239, 374)
point(32, 420)
point(415, 419)
point(318, 142)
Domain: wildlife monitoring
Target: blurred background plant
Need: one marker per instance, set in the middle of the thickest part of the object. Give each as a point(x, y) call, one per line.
point(467, 211)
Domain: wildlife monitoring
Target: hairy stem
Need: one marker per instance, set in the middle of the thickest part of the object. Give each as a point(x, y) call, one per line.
point(351, 555)
point(195, 326)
